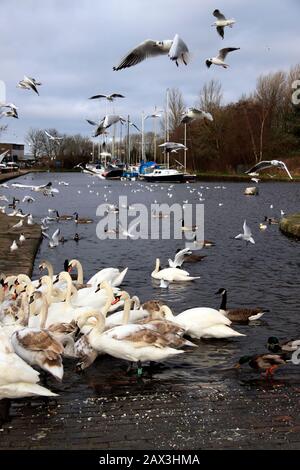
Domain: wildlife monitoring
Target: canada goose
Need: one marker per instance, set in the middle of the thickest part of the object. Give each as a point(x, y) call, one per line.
point(63, 217)
point(240, 315)
point(192, 258)
point(276, 347)
point(190, 228)
point(203, 243)
point(82, 221)
point(263, 362)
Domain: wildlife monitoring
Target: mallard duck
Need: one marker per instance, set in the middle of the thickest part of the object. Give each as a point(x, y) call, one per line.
point(263, 362)
point(275, 346)
point(82, 221)
point(240, 315)
point(271, 220)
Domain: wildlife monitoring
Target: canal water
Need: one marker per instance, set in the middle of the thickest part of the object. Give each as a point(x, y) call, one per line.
point(265, 274)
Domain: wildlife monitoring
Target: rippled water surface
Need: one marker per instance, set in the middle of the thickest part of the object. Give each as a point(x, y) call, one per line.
point(265, 274)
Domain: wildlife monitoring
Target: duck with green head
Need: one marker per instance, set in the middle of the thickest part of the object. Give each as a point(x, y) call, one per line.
point(264, 362)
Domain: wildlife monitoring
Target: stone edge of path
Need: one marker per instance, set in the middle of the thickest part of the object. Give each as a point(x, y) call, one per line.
point(21, 260)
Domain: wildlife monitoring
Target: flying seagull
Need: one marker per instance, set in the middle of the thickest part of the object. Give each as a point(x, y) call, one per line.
point(222, 22)
point(11, 112)
point(52, 137)
point(105, 123)
point(179, 258)
point(29, 83)
point(111, 97)
point(267, 164)
point(53, 240)
point(45, 188)
point(247, 235)
point(219, 60)
point(175, 48)
point(193, 114)
point(172, 146)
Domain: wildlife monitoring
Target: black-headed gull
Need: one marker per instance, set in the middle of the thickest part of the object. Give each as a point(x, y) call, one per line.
point(193, 114)
point(219, 60)
point(179, 258)
point(29, 83)
point(11, 112)
point(175, 48)
point(221, 22)
point(110, 97)
point(247, 235)
point(267, 164)
point(52, 137)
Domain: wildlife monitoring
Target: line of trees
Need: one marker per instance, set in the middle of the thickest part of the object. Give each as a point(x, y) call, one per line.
point(263, 125)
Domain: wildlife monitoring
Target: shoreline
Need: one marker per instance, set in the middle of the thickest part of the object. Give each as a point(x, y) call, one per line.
point(290, 226)
point(22, 261)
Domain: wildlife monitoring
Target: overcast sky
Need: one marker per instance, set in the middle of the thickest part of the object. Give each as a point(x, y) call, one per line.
point(71, 46)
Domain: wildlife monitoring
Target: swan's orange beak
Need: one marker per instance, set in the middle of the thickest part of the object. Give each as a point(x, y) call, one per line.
point(69, 269)
point(115, 301)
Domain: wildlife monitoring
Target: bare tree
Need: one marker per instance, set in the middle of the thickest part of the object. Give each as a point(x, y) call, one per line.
point(269, 95)
point(176, 108)
point(211, 96)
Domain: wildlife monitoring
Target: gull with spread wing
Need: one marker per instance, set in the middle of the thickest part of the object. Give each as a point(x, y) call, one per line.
point(221, 22)
point(267, 164)
point(176, 49)
point(219, 60)
point(247, 235)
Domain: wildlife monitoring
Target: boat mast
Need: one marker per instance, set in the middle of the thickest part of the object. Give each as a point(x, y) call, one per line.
point(143, 136)
point(128, 139)
point(185, 149)
point(167, 128)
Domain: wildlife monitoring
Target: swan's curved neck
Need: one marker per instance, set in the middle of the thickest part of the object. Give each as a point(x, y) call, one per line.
point(43, 312)
point(126, 314)
point(136, 302)
point(25, 310)
point(65, 277)
point(110, 298)
point(49, 284)
point(49, 268)
point(79, 272)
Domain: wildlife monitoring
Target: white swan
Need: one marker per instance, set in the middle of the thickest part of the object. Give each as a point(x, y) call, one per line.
point(127, 315)
point(17, 378)
point(171, 274)
point(201, 322)
point(131, 342)
point(111, 275)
